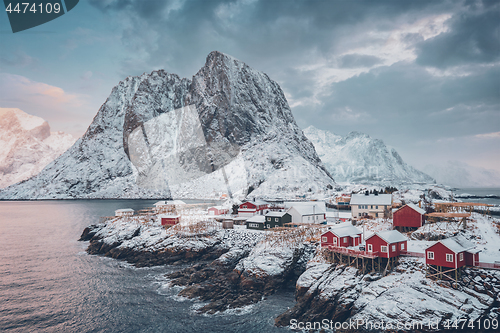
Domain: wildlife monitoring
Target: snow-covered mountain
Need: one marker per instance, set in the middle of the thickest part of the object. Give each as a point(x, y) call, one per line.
point(27, 145)
point(358, 158)
point(229, 129)
point(460, 174)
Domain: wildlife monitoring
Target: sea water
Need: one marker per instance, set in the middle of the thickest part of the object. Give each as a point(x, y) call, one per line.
point(48, 283)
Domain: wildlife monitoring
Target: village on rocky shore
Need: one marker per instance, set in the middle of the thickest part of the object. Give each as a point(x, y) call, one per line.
point(411, 257)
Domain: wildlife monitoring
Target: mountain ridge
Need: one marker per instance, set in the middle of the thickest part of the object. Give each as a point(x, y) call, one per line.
point(358, 158)
point(229, 129)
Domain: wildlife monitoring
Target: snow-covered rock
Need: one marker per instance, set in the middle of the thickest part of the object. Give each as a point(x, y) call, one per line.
point(358, 158)
point(229, 129)
point(341, 293)
point(27, 145)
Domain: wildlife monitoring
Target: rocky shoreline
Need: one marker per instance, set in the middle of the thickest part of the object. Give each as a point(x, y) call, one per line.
point(225, 276)
point(234, 268)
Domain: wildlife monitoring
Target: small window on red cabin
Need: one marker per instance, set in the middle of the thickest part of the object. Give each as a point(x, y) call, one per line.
point(449, 257)
point(394, 248)
point(370, 248)
point(383, 248)
point(402, 246)
point(461, 256)
point(345, 239)
point(324, 239)
point(430, 255)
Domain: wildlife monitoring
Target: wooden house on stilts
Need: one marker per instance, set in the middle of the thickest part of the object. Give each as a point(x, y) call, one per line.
point(446, 258)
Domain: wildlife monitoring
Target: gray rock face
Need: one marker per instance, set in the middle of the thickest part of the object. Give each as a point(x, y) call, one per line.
point(227, 130)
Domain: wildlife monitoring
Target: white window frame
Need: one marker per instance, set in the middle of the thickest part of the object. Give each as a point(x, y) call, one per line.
point(383, 248)
point(268, 226)
point(402, 246)
point(275, 219)
point(461, 256)
point(324, 239)
point(345, 239)
point(430, 255)
point(269, 219)
point(370, 248)
point(449, 256)
point(394, 248)
point(334, 240)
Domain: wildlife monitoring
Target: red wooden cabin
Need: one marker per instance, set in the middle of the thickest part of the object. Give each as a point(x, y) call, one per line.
point(409, 215)
point(251, 208)
point(389, 244)
point(453, 252)
point(167, 219)
point(343, 236)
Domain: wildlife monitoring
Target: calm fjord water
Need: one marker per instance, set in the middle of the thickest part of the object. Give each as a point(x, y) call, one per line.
point(49, 284)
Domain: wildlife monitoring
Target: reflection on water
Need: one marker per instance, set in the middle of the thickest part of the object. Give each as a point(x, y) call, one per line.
point(49, 284)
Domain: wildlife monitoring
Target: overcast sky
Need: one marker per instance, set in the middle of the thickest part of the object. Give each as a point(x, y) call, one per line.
point(424, 76)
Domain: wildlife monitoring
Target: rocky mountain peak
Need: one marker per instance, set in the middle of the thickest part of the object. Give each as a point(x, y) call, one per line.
point(229, 129)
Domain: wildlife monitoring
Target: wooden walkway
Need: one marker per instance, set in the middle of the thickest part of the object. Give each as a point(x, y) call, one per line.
point(488, 265)
point(352, 252)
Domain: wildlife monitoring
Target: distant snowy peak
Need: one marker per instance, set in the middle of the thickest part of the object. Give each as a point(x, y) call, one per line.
point(358, 158)
point(27, 145)
point(229, 129)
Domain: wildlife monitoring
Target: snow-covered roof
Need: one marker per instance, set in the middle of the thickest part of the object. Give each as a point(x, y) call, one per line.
point(256, 202)
point(310, 209)
point(457, 244)
point(289, 204)
point(390, 236)
point(257, 219)
point(276, 214)
point(415, 208)
point(372, 199)
point(345, 230)
point(169, 202)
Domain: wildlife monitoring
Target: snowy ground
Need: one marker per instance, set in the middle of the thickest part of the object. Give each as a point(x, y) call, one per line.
point(485, 231)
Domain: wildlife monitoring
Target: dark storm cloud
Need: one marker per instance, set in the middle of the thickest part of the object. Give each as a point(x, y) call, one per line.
point(291, 31)
point(474, 36)
point(407, 100)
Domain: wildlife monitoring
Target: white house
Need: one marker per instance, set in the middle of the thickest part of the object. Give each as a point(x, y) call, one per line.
point(307, 212)
point(217, 210)
point(124, 212)
point(373, 205)
point(167, 205)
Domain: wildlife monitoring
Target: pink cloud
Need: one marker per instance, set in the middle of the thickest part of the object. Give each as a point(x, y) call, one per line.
point(64, 111)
